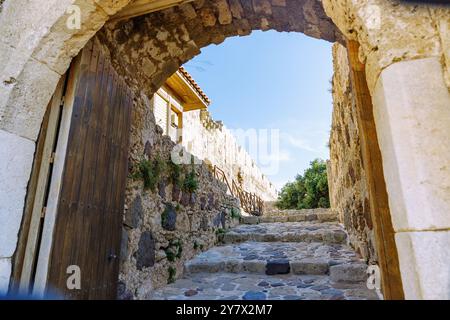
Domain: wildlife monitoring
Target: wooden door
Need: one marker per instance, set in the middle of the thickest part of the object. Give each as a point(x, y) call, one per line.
point(87, 229)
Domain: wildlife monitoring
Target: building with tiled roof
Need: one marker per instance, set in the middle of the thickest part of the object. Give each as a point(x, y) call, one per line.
point(181, 109)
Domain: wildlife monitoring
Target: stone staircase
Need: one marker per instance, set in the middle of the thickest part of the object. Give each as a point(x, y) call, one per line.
point(296, 255)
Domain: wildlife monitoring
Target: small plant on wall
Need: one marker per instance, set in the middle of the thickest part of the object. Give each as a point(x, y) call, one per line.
point(174, 173)
point(220, 232)
point(174, 250)
point(172, 274)
point(235, 213)
point(190, 183)
point(169, 217)
point(149, 171)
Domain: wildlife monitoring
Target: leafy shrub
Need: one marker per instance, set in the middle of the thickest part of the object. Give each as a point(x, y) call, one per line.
point(308, 191)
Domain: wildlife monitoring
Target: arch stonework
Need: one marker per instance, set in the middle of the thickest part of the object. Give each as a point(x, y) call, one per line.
point(405, 42)
point(154, 46)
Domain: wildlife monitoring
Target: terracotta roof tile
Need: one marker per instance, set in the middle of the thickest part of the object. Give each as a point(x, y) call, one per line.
point(194, 84)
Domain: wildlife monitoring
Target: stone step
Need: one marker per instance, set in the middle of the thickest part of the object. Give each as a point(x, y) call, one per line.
point(327, 233)
point(327, 216)
point(232, 286)
point(271, 258)
point(322, 216)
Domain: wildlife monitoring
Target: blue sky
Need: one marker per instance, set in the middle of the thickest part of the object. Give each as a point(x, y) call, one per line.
point(271, 80)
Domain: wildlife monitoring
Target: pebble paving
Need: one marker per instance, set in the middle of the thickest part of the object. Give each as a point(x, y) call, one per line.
point(228, 286)
point(307, 260)
point(256, 256)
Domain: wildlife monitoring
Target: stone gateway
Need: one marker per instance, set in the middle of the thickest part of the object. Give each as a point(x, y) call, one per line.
point(76, 120)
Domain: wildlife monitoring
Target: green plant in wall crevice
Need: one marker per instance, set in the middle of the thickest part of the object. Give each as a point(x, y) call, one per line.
point(149, 171)
point(235, 213)
point(174, 250)
point(175, 173)
point(172, 274)
point(190, 183)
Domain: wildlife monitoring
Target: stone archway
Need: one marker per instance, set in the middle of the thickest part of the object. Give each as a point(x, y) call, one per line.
point(38, 48)
point(160, 42)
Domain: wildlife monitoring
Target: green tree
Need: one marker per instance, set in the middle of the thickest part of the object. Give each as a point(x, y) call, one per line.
point(308, 191)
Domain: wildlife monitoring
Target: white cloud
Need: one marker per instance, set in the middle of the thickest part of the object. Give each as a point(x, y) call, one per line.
point(298, 143)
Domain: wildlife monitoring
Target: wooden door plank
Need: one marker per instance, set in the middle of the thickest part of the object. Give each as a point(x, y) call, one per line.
point(112, 186)
point(74, 178)
point(95, 212)
point(41, 187)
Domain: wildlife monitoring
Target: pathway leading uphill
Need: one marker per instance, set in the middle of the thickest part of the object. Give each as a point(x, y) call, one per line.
point(302, 255)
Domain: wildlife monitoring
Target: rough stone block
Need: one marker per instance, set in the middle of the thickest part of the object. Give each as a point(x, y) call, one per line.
point(23, 106)
point(233, 266)
point(262, 7)
point(412, 116)
point(254, 266)
point(16, 158)
point(204, 266)
point(250, 220)
point(122, 292)
point(112, 6)
point(219, 220)
point(145, 255)
point(236, 9)
point(349, 272)
point(225, 16)
point(5, 273)
point(169, 218)
point(57, 48)
point(309, 266)
point(280, 266)
point(254, 295)
point(233, 237)
point(134, 213)
point(337, 236)
point(124, 245)
point(208, 17)
point(424, 261)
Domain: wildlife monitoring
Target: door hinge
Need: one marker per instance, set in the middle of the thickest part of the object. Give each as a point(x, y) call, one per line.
point(52, 157)
point(62, 101)
point(43, 211)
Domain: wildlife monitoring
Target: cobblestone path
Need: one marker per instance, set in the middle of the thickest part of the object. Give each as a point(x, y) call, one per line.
point(306, 258)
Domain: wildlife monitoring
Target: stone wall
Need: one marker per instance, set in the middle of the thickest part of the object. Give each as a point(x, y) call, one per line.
point(406, 50)
point(214, 142)
point(348, 190)
point(166, 226)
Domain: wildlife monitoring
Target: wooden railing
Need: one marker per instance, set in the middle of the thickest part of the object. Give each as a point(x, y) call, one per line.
point(250, 202)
